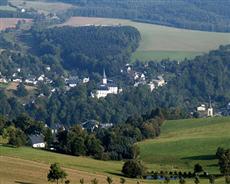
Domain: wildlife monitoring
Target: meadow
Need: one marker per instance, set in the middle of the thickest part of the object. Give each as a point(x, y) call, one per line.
point(11, 22)
point(183, 143)
point(161, 42)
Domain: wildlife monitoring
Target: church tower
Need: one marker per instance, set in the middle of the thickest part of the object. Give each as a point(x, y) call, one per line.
point(210, 109)
point(104, 80)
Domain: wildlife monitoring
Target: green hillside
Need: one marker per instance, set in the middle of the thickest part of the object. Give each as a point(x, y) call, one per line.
point(162, 42)
point(183, 143)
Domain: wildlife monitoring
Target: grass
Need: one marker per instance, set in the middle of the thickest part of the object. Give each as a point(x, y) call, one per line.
point(183, 143)
point(42, 6)
point(29, 166)
point(159, 55)
point(161, 42)
point(7, 8)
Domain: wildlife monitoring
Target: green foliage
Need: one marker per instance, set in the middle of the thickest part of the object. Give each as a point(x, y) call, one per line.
point(21, 90)
point(212, 179)
point(198, 168)
point(205, 15)
point(16, 136)
point(56, 173)
point(196, 180)
point(133, 169)
point(224, 162)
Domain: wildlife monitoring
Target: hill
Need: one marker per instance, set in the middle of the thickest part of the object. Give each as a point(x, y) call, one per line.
point(162, 42)
point(183, 143)
point(27, 165)
point(189, 14)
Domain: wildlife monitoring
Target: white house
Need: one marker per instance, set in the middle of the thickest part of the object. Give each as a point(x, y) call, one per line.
point(37, 141)
point(85, 80)
point(200, 108)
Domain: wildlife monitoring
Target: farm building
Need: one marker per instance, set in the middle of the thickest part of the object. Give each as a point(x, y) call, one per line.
point(37, 141)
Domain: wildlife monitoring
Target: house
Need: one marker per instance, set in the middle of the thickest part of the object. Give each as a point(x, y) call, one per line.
point(37, 141)
point(31, 80)
point(159, 81)
point(90, 125)
point(105, 88)
point(72, 81)
point(85, 80)
point(41, 78)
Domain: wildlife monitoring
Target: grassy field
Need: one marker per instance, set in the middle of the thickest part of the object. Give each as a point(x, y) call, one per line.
point(183, 143)
point(30, 166)
point(161, 42)
point(42, 5)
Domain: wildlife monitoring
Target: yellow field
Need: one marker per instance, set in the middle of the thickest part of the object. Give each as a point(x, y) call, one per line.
point(10, 22)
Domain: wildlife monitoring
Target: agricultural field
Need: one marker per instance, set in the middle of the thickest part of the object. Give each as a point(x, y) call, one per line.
point(184, 143)
point(42, 6)
point(161, 42)
point(11, 22)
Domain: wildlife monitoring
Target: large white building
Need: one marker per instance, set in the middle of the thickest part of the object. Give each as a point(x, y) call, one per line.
point(105, 88)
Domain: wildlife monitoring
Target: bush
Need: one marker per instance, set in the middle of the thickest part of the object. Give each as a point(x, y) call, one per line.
point(133, 169)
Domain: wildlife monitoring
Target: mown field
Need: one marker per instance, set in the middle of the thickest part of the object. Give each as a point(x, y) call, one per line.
point(161, 42)
point(183, 143)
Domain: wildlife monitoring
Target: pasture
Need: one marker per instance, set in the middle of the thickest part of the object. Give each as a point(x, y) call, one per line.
point(183, 143)
point(29, 166)
point(161, 42)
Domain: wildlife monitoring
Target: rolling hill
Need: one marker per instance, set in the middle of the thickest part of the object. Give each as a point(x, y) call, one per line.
point(183, 143)
point(162, 42)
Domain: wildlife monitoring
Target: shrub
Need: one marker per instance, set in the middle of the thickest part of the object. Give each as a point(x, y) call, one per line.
point(133, 169)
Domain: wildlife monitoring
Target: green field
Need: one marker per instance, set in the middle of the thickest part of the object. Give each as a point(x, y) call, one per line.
point(161, 42)
point(183, 143)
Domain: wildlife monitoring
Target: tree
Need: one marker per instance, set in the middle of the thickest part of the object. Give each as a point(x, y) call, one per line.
point(56, 173)
point(211, 179)
point(21, 90)
point(16, 136)
point(198, 168)
point(167, 180)
point(109, 180)
point(224, 162)
point(122, 180)
point(196, 180)
point(182, 181)
point(227, 179)
point(133, 169)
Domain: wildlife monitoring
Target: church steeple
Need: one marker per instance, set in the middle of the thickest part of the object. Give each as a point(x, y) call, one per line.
point(104, 80)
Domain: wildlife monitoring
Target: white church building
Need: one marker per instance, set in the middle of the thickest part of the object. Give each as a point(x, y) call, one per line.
point(105, 88)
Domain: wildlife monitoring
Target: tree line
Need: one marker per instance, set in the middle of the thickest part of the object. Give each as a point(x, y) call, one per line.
point(202, 15)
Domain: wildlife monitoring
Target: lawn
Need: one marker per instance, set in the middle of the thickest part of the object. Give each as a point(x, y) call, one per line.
point(161, 42)
point(183, 143)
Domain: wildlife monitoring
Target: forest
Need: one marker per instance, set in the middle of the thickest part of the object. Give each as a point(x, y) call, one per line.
point(194, 14)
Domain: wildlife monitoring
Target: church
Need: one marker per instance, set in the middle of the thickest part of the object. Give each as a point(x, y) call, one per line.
point(105, 88)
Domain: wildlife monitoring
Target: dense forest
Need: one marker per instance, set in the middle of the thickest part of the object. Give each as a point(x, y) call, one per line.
point(88, 48)
point(194, 14)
